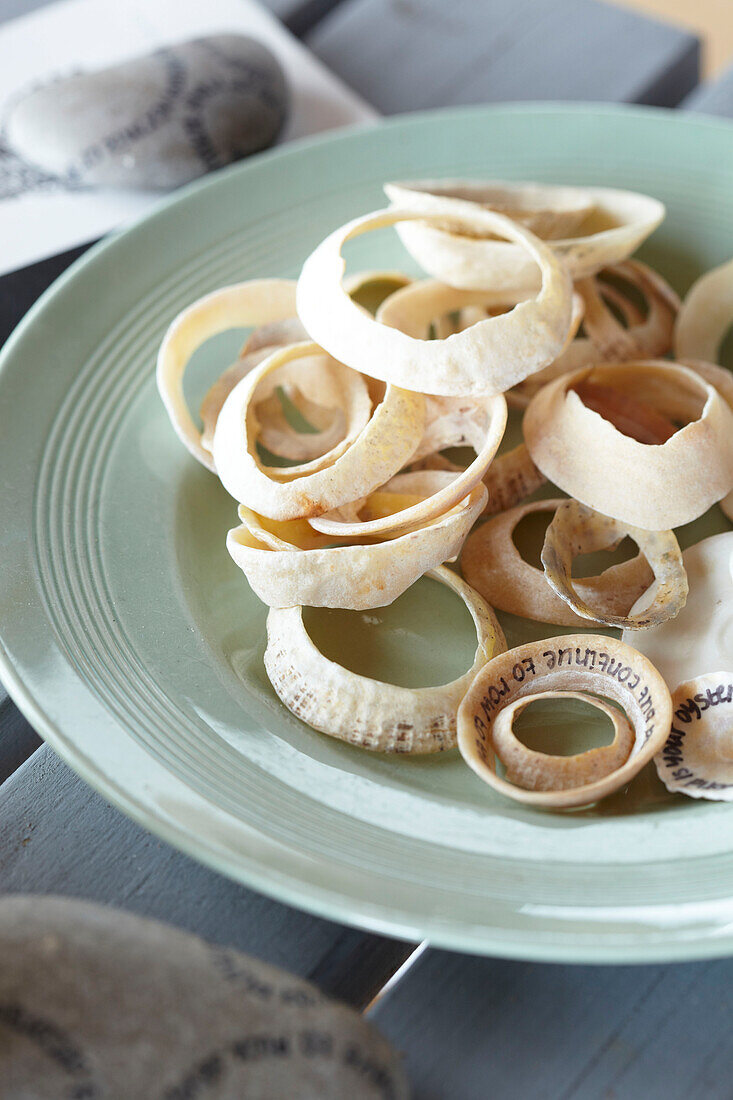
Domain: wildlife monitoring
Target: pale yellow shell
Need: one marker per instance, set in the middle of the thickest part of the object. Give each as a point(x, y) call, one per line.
point(486, 358)
point(370, 713)
point(591, 460)
point(572, 663)
point(614, 229)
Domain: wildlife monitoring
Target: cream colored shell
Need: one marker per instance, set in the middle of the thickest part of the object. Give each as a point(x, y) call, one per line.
point(487, 424)
point(701, 637)
point(549, 210)
point(605, 340)
point(619, 223)
point(655, 487)
point(697, 757)
point(370, 713)
point(576, 529)
point(485, 359)
point(722, 379)
point(383, 446)
point(511, 478)
point(259, 344)
point(257, 302)
point(706, 315)
point(540, 771)
point(335, 402)
point(492, 564)
point(289, 563)
point(575, 662)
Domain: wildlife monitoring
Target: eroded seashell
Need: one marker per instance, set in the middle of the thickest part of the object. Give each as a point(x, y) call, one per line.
point(584, 663)
point(493, 565)
point(288, 563)
point(540, 771)
point(380, 449)
point(605, 339)
point(618, 224)
point(334, 402)
point(701, 636)
point(587, 456)
point(254, 303)
point(549, 210)
point(485, 359)
point(481, 422)
point(722, 379)
point(576, 529)
point(697, 757)
point(511, 478)
point(370, 713)
point(706, 315)
point(327, 395)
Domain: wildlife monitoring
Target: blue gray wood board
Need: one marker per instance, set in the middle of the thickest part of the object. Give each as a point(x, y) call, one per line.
point(405, 55)
point(476, 1028)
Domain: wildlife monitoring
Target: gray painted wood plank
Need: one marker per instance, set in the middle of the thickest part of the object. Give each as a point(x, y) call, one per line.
point(714, 97)
point(471, 1028)
point(57, 836)
point(404, 55)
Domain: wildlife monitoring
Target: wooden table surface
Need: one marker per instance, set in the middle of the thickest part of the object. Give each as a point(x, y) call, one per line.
point(469, 1028)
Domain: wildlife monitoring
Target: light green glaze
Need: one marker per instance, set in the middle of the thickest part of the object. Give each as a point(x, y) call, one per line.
point(133, 644)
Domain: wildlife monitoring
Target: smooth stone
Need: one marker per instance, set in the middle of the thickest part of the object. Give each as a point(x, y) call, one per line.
point(98, 1004)
point(157, 121)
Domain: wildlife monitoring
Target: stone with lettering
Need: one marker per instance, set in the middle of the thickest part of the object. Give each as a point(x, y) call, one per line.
point(97, 1004)
point(156, 121)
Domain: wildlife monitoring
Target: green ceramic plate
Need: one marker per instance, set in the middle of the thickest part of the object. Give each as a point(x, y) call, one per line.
point(135, 647)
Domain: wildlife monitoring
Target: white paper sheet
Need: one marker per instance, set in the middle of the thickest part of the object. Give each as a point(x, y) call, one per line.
point(40, 216)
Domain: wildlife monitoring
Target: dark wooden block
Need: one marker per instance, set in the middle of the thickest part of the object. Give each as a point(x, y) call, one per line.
point(404, 55)
point(301, 16)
